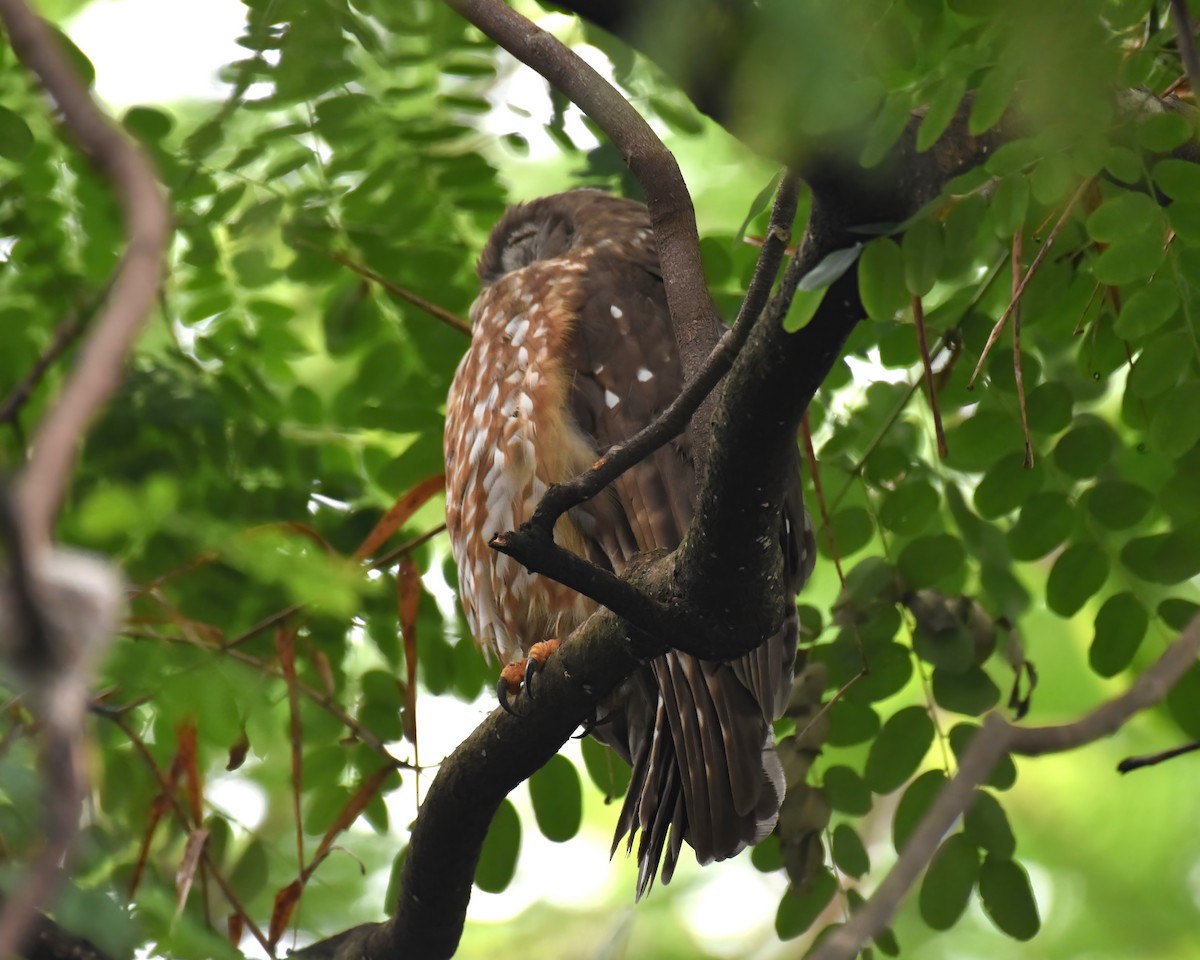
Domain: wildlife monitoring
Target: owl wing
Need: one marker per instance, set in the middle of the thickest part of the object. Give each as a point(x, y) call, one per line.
point(698, 734)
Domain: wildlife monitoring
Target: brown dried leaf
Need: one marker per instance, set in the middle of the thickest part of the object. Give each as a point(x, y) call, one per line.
point(237, 752)
point(401, 511)
point(285, 902)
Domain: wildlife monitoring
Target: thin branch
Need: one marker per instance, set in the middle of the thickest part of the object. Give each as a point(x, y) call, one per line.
point(134, 286)
point(1029, 274)
point(814, 471)
point(994, 740)
point(1130, 764)
point(1185, 40)
point(428, 306)
point(1018, 371)
point(65, 334)
point(181, 816)
point(561, 497)
point(927, 366)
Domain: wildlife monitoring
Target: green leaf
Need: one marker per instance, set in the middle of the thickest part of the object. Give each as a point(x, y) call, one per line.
point(607, 770)
point(1003, 775)
point(848, 851)
point(852, 529)
point(971, 692)
point(923, 247)
point(1082, 452)
point(927, 560)
point(986, 824)
point(909, 508)
point(1161, 364)
point(557, 799)
point(1184, 216)
point(1183, 702)
point(1121, 215)
point(1135, 256)
point(1147, 309)
point(1178, 179)
point(832, 266)
point(899, 749)
point(16, 139)
point(1166, 558)
point(1007, 484)
point(845, 791)
point(1045, 521)
point(1175, 427)
point(941, 109)
point(498, 858)
point(1163, 132)
point(1120, 626)
point(1010, 200)
point(147, 123)
point(1176, 612)
point(250, 874)
point(1117, 504)
point(881, 279)
point(1049, 407)
point(851, 722)
point(992, 97)
point(797, 913)
point(1077, 575)
point(948, 882)
point(1008, 898)
point(915, 800)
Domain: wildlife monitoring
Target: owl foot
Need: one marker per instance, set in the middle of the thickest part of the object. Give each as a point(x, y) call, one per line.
point(513, 676)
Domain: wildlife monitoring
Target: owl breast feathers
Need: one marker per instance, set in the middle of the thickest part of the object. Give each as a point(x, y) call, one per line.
point(572, 351)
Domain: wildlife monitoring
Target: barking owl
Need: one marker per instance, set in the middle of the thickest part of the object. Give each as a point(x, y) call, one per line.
point(572, 351)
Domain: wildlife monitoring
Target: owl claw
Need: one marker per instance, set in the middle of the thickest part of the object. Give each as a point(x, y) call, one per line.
point(521, 673)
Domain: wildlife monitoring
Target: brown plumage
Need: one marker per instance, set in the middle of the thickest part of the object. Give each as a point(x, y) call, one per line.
point(572, 351)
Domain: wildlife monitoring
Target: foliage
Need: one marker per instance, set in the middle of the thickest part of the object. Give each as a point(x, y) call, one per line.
point(282, 401)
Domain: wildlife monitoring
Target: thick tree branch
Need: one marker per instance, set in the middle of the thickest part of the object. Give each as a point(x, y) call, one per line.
point(997, 738)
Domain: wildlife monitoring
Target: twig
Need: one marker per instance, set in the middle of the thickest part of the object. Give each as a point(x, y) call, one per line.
point(927, 366)
point(132, 293)
point(428, 306)
point(1149, 760)
point(561, 497)
point(1185, 40)
point(996, 738)
point(65, 334)
point(181, 815)
point(1018, 372)
point(1033, 267)
point(814, 471)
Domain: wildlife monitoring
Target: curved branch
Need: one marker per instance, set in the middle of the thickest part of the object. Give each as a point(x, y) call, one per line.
point(134, 286)
point(997, 738)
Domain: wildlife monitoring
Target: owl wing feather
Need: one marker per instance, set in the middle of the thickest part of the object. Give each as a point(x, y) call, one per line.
point(699, 738)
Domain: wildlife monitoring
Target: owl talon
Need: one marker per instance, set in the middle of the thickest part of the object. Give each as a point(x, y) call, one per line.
point(539, 653)
point(531, 669)
point(508, 686)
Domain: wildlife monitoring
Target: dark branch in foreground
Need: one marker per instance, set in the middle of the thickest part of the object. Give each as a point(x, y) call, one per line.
point(1129, 764)
point(994, 740)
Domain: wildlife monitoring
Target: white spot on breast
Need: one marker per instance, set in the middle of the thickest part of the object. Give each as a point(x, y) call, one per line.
point(644, 374)
point(611, 399)
point(616, 312)
point(598, 369)
point(523, 357)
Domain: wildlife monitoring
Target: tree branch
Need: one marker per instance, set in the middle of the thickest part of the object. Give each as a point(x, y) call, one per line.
point(997, 738)
point(134, 286)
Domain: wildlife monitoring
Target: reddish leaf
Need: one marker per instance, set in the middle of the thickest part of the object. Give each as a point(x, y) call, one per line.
point(349, 813)
point(185, 736)
point(235, 924)
point(237, 752)
point(285, 902)
point(399, 514)
point(187, 867)
point(408, 602)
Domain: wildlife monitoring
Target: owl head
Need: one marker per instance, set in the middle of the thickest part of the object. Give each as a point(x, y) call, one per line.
point(551, 226)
